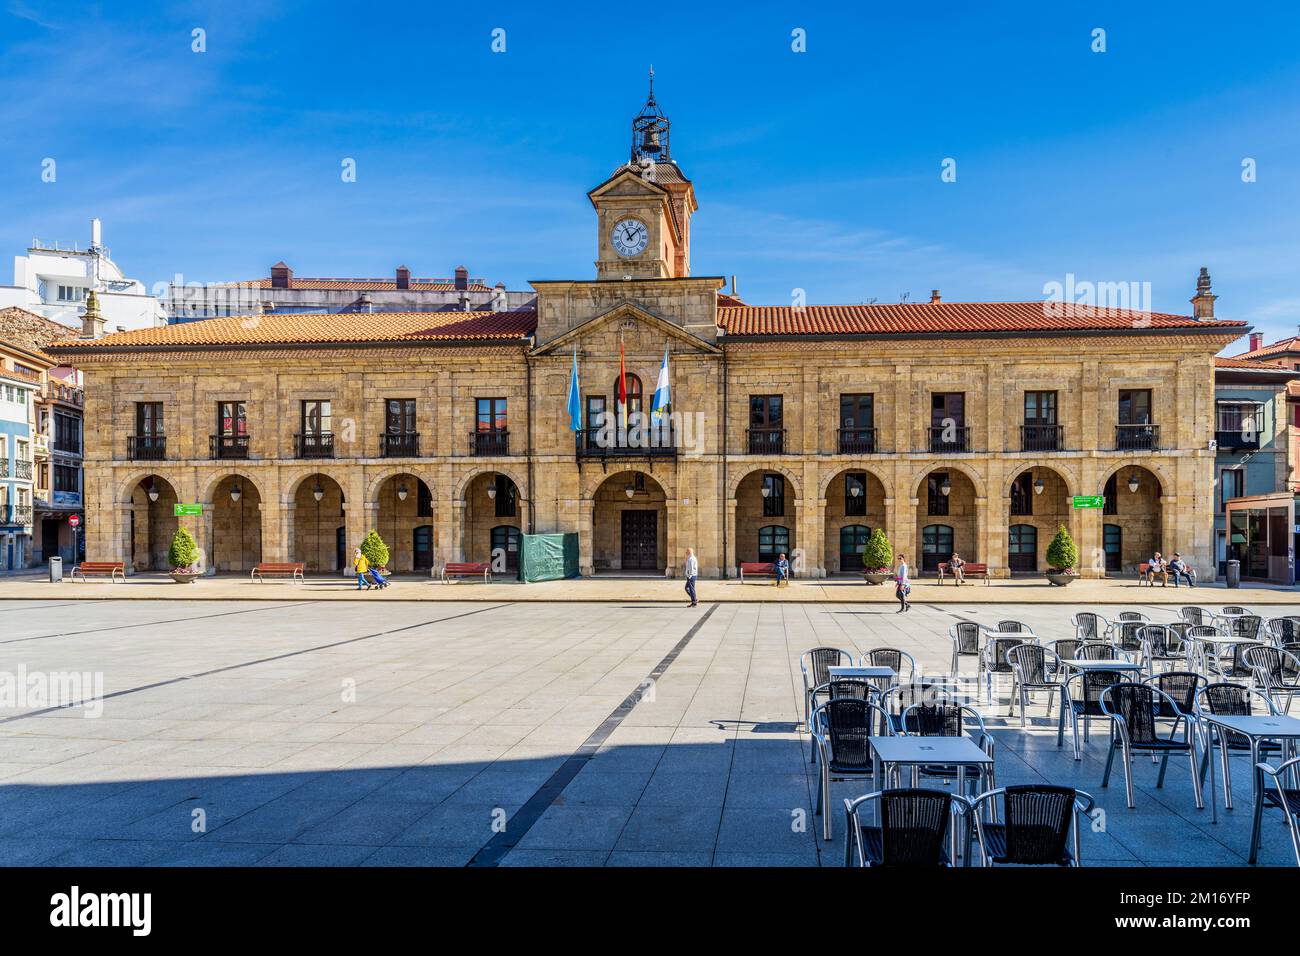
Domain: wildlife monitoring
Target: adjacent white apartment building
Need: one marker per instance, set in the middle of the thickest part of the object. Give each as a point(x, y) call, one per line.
point(53, 278)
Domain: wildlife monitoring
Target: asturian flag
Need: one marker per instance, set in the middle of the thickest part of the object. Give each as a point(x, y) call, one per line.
point(662, 398)
point(575, 397)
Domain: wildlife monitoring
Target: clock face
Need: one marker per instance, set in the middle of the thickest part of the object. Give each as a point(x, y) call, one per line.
point(629, 237)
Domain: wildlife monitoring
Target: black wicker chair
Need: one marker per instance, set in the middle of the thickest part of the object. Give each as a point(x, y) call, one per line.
point(891, 657)
point(1284, 798)
point(1231, 700)
point(1042, 825)
point(815, 666)
point(1180, 687)
point(1089, 626)
point(1284, 630)
point(1091, 683)
point(1127, 636)
point(946, 718)
point(1034, 668)
point(1276, 672)
point(1131, 617)
point(1232, 609)
point(1195, 615)
point(965, 637)
point(841, 730)
point(914, 824)
point(898, 699)
point(1013, 627)
point(1096, 651)
point(1132, 709)
point(1161, 644)
point(995, 662)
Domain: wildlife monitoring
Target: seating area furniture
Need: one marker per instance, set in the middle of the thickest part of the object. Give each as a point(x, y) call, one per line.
point(1284, 630)
point(970, 569)
point(1132, 709)
point(965, 637)
point(947, 718)
point(1274, 671)
point(1161, 644)
point(1089, 626)
point(287, 569)
point(1284, 798)
point(110, 569)
point(842, 728)
point(814, 666)
point(757, 569)
point(466, 569)
point(1034, 668)
point(914, 824)
point(1041, 825)
point(893, 658)
point(1232, 700)
point(1091, 683)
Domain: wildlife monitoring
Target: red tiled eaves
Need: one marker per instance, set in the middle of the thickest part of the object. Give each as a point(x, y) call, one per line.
point(1277, 348)
point(930, 318)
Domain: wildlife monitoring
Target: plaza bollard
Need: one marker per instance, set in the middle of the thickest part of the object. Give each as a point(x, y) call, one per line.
point(56, 569)
point(1233, 576)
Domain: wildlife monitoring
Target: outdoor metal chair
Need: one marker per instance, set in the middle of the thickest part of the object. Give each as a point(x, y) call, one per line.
point(1231, 663)
point(947, 719)
point(841, 728)
point(965, 637)
point(1089, 626)
point(1232, 609)
point(1090, 684)
point(995, 662)
point(914, 824)
point(1231, 700)
point(891, 657)
point(1200, 639)
point(1195, 615)
point(1130, 616)
point(1033, 668)
point(1284, 798)
point(1161, 644)
point(1132, 710)
point(815, 666)
point(1065, 649)
point(1097, 651)
point(1284, 630)
point(1041, 828)
point(1249, 626)
point(1014, 627)
point(855, 688)
point(1179, 687)
point(1127, 636)
point(1276, 672)
point(898, 699)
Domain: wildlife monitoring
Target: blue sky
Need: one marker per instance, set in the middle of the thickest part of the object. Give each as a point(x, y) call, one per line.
point(816, 170)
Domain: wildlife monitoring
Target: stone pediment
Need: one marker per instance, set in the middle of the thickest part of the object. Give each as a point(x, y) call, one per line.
point(638, 327)
point(628, 182)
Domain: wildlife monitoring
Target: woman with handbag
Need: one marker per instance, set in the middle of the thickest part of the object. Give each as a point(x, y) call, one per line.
point(903, 587)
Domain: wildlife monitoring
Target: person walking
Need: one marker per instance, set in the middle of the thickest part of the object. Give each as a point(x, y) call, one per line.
point(361, 566)
point(903, 585)
point(691, 570)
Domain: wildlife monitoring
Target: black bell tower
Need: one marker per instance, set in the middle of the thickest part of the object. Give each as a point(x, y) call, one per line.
point(650, 131)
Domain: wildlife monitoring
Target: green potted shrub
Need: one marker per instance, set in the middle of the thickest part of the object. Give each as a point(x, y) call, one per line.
point(877, 558)
point(1062, 556)
point(184, 557)
point(375, 551)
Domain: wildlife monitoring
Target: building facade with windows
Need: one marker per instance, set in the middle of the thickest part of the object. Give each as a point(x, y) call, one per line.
point(21, 367)
point(796, 429)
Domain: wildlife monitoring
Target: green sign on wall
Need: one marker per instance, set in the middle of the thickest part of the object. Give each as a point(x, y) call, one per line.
point(1088, 501)
point(178, 510)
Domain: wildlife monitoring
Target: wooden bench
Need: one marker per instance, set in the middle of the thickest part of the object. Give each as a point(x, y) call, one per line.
point(758, 568)
point(462, 569)
point(968, 570)
point(1145, 567)
point(90, 568)
point(290, 569)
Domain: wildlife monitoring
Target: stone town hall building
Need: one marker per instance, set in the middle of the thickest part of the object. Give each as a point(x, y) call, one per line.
point(964, 426)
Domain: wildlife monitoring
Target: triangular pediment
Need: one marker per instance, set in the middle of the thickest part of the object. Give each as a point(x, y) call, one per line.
point(641, 321)
point(628, 181)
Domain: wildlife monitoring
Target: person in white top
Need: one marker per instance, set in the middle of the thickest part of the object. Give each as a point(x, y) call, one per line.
point(903, 587)
point(691, 571)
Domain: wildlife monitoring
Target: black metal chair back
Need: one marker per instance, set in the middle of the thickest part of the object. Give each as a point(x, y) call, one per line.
point(933, 719)
point(848, 725)
point(1092, 651)
point(1247, 626)
point(997, 653)
point(1161, 640)
point(1126, 635)
point(885, 657)
point(1130, 616)
point(1034, 661)
point(1233, 609)
point(1278, 666)
point(1038, 823)
point(1067, 648)
point(824, 658)
point(1088, 626)
point(1180, 687)
point(1193, 615)
point(1229, 700)
point(1136, 705)
point(1092, 684)
point(968, 637)
point(1285, 630)
point(1012, 627)
point(913, 827)
point(854, 688)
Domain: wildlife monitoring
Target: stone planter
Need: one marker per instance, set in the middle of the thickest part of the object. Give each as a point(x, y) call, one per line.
point(1061, 579)
point(184, 577)
point(875, 577)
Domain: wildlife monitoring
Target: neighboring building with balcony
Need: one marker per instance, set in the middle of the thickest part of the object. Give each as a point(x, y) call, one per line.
point(21, 370)
point(953, 426)
point(54, 279)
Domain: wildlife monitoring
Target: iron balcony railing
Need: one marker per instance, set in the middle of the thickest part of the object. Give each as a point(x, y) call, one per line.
point(1137, 437)
point(1042, 437)
point(146, 447)
point(4, 467)
point(23, 469)
point(857, 441)
point(651, 441)
point(767, 441)
point(314, 445)
point(949, 439)
point(228, 446)
point(490, 441)
point(20, 514)
point(399, 445)
point(1237, 438)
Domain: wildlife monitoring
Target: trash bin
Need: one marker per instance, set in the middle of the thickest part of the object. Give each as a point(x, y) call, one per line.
point(1234, 574)
point(56, 569)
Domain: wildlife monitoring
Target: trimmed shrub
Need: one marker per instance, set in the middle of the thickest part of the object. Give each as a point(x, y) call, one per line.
point(375, 550)
point(1062, 555)
point(878, 554)
point(184, 552)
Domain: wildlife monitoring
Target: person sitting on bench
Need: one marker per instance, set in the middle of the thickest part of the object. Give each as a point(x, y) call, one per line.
point(1178, 567)
point(1156, 566)
point(955, 565)
point(782, 570)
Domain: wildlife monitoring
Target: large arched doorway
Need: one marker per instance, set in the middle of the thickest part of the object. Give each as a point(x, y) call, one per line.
point(236, 524)
point(766, 517)
point(629, 524)
point(1039, 504)
point(153, 523)
point(945, 519)
point(318, 519)
point(1131, 518)
point(404, 504)
point(492, 500)
point(855, 504)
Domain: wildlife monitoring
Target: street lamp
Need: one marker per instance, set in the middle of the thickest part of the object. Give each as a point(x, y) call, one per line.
point(945, 487)
point(401, 491)
point(492, 487)
point(235, 492)
point(630, 490)
point(1133, 482)
point(855, 490)
point(152, 491)
point(318, 492)
point(1039, 485)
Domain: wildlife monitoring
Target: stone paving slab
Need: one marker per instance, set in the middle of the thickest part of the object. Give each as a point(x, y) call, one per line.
point(311, 733)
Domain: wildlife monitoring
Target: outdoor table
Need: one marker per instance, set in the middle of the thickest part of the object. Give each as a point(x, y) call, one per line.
point(1116, 665)
point(1218, 641)
point(838, 670)
point(894, 753)
point(1256, 728)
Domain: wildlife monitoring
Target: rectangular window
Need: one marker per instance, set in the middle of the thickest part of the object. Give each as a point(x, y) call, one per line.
point(149, 419)
point(857, 411)
point(1243, 418)
point(855, 493)
point(1022, 495)
point(316, 418)
point(1231, 485)
point(71, 293)
point(765, 411)
point(947, 405)
point(66, 478)
point(492, 414)
point(936, 500)
point(1040, 408)
point(232, 420)
point(399, 416)
point(773, 496)
point(67, 433)
point(595, 411)
point(1135, 406)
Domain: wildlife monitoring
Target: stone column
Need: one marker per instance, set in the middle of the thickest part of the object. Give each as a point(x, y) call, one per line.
point(586, 530)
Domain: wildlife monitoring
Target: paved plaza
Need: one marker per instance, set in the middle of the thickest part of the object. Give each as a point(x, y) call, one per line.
point(300, 732)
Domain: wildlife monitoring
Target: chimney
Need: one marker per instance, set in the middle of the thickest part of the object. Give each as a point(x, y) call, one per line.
point(1256, 340)
point(1203, 301)
point(92, 323)
point(281, 276)
point(462, 278)
point(934, 297)
point(403, 278)
point(364, 304)
point(734, 293)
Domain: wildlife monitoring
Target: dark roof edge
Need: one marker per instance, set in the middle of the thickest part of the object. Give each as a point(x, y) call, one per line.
point(271, 346)
point(994, 334)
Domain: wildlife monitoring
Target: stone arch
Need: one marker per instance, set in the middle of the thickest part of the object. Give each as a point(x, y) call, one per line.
point(212, 482)
point(1068, 476)
point(925, 468)
point(462, 484)
point(593, 483)
point(375, 481)
point(793, 483)
point(1166, 482)
point(289, 487)
point(825, 483)
point(126, 486)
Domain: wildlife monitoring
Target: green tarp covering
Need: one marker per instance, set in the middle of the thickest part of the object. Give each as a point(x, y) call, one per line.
point(548, 557)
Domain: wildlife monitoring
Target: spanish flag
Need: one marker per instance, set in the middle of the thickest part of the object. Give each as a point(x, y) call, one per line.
point(622, 387)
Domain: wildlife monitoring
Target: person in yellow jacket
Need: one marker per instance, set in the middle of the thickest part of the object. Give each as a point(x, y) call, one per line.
point(361, 566)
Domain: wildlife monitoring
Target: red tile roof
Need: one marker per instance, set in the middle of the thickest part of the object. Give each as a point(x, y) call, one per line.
point(1237, 361)
point(931, 317)
point(1291, 344)
point(358, 285)
point(306, 329)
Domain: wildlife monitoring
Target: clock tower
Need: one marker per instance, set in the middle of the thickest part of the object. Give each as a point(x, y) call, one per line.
point(643, 211)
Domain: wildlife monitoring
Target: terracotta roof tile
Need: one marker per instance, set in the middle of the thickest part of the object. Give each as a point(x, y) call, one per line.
point(1291, 344)
point(928, 317)
point(305, 329)
point(1237, 361)
point(30, 331)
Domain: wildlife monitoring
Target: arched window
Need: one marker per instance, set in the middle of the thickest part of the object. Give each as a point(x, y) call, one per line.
point(936, 546)
point(505, 540)
point(853, 541)
point(1022, 550)
point(773, 541)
